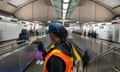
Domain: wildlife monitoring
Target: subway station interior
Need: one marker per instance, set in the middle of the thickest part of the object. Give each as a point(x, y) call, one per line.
point(92, 25)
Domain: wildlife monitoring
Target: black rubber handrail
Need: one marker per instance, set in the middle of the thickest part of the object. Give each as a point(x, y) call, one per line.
point(10, 44)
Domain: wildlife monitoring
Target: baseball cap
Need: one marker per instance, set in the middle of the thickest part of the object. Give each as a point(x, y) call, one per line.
point(55, 27)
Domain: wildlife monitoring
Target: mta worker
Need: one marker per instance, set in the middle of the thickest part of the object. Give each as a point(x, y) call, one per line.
point(60, 54)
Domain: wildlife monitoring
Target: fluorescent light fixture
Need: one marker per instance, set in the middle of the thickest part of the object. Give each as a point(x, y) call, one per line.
point(64, 14)
point(66, 1)
point(17, 2)
point(63, 17)
point(64, 11)
point(112, 3)
point(49, 21)
point(65, 5)
point(77, 21)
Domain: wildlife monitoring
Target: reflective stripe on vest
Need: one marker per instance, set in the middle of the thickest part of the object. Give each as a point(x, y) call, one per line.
point(53, 46)
point(76, 54)
point(63, 56)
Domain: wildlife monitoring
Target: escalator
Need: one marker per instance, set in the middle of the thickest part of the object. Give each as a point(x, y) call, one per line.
point(15, 58)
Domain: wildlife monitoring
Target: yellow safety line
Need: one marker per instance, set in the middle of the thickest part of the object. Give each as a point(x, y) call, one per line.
point(31, 67)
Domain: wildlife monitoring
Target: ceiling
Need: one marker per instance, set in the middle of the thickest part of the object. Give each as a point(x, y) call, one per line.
point(44, 10)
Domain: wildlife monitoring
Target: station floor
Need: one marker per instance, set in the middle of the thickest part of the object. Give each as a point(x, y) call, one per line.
point(35, 68)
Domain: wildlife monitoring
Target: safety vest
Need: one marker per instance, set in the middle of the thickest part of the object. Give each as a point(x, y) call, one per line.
point(75, 52)
point(67, 59)
point(61, 55)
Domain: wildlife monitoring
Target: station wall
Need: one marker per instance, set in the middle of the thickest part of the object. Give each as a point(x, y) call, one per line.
point(9, 30)
point(107, 31)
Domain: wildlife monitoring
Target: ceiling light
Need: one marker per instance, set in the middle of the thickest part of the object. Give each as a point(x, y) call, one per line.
point(112, 3)
point(77, 21)
point(64, 14)
point(49, 21)
point(66, 1)
point(63, 17)
point(65, 5)
point(17, 2)
point(64, 11)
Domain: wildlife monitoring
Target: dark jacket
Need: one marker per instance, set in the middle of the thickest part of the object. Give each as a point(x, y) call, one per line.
point(23, 36)
point(56, 64)
point(40, 46)
point(86, 59)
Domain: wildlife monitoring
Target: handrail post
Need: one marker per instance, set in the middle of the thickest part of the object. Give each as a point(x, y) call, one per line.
point(101, 47)
point(12, 46)
point(91, 44)
point(109, 45)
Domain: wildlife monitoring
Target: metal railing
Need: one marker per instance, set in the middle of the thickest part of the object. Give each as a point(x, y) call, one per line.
point(108, 62)
point(97, 46)
point(108, 58)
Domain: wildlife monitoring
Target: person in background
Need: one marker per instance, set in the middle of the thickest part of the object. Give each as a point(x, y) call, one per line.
point(88, 34)
point(94, 34)
point(37, 32)
point(84, 33)
point(39, 48)
point(59, 57)
point(23, 36)
point(31, 32)
point(86, 60)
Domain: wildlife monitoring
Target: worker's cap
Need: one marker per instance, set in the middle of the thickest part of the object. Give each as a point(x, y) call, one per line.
point(55, 27)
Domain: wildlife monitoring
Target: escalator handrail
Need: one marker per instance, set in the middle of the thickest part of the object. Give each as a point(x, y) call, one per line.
point(10, 44)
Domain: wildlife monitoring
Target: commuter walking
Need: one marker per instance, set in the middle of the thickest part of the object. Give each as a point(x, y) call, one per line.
point(39, 48)
point(23, 36)
point(84, 33)
point(86, 59)
point(94, 34)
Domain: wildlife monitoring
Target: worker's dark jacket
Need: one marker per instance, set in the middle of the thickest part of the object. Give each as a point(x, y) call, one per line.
point(56, 64)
